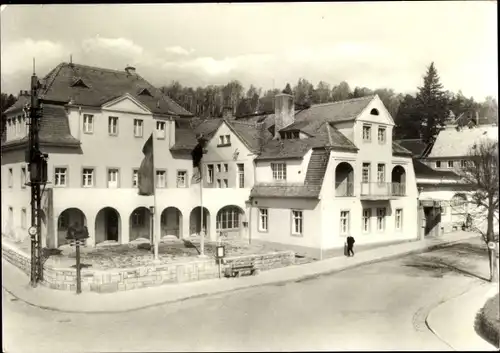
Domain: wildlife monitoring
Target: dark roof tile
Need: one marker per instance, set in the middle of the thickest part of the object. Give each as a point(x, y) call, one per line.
point(293, 191)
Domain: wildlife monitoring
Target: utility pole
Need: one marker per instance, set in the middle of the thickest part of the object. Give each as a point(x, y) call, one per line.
point(38, 178)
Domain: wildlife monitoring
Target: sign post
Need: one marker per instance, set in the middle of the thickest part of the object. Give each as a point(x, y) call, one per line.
point(220, 252)
point(77, 236)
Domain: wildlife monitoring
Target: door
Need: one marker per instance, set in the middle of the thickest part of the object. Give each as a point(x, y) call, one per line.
point(111, 225)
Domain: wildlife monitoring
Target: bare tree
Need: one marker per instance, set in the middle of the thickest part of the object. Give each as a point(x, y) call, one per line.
point(481, 174)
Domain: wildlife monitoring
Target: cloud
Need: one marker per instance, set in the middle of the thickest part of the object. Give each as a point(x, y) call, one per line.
point(18, 56)
point(177, 50)
point(121, 46)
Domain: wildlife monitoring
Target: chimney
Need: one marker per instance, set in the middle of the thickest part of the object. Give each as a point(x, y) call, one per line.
point(130, 70)
point(284, 112)
point(227, 112)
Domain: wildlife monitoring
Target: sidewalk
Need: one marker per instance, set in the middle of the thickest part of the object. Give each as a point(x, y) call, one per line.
point(453, 321)
point(17, 283)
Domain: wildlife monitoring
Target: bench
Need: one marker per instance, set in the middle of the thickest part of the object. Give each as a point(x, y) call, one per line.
point(237, 270)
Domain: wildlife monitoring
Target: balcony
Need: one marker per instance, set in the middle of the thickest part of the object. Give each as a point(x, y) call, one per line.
point(382, 191)
point(344, 189)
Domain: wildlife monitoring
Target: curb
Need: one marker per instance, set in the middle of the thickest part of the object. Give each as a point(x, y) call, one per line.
point(244, 287)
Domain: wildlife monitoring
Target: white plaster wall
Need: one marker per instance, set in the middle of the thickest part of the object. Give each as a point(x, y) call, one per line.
point(296, 170)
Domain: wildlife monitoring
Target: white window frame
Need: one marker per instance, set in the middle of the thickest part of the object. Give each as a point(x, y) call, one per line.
point(228, 219)
point(58, 173)
point(135, 178)
point(382, 132)
point(381, 216)
point(23, 177)
point(380, 173)
point(398, 218)
point(181, 180)
point(225, 183)
point(218, 168)
point(221, 139)
point(297, 222)
point(11, 177)
point(263, 220)
point(450, 164)
point(18, 125)
point(463, 163)
point(88, 123)
point(226, 167)
point(161, 178)
point(366, 220)
point(24, 218)
point(138, 128)
point(219, 183)
point(161, 130)
point(368, 136)
point(113, 125)
point(88, 179)
point(365, 168)
point(240, 167)
point(210, 173)
point(279, 171)
point(344, 222)
point(438, 164)
point(113, 173)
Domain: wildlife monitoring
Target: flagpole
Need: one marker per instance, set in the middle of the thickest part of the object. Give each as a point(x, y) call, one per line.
point(202, 234)
point(154, 237)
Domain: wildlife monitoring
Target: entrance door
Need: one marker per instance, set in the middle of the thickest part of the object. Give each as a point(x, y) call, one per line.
point(111, 225)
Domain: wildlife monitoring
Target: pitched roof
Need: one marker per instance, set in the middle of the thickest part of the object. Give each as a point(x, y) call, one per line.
point(19, 104)
point(295, 191)
point(416, 146)
point(54, 128)
point(317, 167)
point(103, 86)
point(453, 143)
point(399, 150)
point(424, 171)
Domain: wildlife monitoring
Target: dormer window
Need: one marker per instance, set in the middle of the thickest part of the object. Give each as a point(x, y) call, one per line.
point(289, 135)
point(78, 82)
point(145, 92)
point(374, 112)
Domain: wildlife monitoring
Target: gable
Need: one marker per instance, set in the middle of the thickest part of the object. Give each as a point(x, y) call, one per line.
point(376, 112)
point(126, 104)
point(218, 152)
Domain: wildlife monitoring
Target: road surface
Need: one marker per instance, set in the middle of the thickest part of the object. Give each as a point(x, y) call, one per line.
point(374, 307)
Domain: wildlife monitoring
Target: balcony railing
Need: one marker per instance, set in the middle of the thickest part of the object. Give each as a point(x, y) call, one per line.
point(344, 189)
point(382, 190)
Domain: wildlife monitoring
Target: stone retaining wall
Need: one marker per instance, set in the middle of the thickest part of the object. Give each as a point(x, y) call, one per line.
point(146, 276)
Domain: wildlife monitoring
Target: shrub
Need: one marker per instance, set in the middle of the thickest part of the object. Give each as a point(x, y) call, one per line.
point(488, 321)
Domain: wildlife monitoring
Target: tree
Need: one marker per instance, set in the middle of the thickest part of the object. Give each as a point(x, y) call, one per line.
point(7, 100)
point(361, 92)
point(322, 93)
point(407, 119)
point(288, 89)
point(266, 103)
point(303, 92)
point(432, 104)
point(341, 92)
point(481, 174)
point(390, 100)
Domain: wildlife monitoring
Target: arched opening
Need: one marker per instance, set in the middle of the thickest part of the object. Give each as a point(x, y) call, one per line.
point(374, 111)
point(195, 222)
point(69, 217)
point(344, 179)
point(107, 225)
point(229, 222)
point(140, 224)
point(398, 181)
point(171, 222)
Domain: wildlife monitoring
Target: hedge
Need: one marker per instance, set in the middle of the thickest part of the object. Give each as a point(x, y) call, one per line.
point(488, 321)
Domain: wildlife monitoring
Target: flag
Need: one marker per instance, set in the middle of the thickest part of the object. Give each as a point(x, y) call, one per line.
point(197, 155)
point(146, 178)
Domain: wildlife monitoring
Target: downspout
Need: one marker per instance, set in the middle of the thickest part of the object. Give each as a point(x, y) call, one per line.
point(250, 221)
point(79, 123)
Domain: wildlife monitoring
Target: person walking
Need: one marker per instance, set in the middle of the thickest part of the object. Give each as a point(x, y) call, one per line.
point(350, 245)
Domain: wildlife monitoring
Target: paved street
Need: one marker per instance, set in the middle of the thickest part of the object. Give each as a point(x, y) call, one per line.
point(374, 307)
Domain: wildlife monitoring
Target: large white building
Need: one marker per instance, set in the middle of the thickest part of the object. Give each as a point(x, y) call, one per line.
point(305, 178)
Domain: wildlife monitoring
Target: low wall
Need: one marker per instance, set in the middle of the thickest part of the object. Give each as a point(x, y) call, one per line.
point(146, 276)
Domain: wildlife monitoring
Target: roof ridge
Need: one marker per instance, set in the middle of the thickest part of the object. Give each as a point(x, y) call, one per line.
point(94, 68)
point(344, 101)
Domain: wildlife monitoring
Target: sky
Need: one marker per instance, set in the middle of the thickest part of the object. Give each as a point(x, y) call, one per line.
point(371, 44)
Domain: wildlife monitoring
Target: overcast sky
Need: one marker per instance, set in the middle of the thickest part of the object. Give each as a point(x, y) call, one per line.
point(372, 44)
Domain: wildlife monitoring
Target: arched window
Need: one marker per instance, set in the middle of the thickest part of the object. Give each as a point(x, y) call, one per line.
point(228, 218)
point(374, 111)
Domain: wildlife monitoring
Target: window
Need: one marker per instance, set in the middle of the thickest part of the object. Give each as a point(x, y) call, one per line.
point(263, 219)
point(381, 134)
point(374, 111)
point(11, 177)
point(113, 125)
point(26, 126)
point(23, 218)
point(11, 216)
point(380, 219)
point(367, 213)
point(23, 177)
point(367, 133)
point(399, 219)
point(210, 173)
point(381, 173)
point(366, 173)
point(88, 177)
point(450, 164)
point(88, 123)
point(160, 129)
point(226, 168)
point(181, 178)
point(279, 171)
point(228, 218)
point(463, 163)
point(113, 175)
point(218, 168)
point(219, 183)
point(297, 222)
point(18, 125)
point(241, 175)
point(60, 175)
point(161, 178)
point(138, 218)
point(438, 164)
point(135, 178)
point(344, 222)
point(138, 124)
point(224, 183)
point(224, 140)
